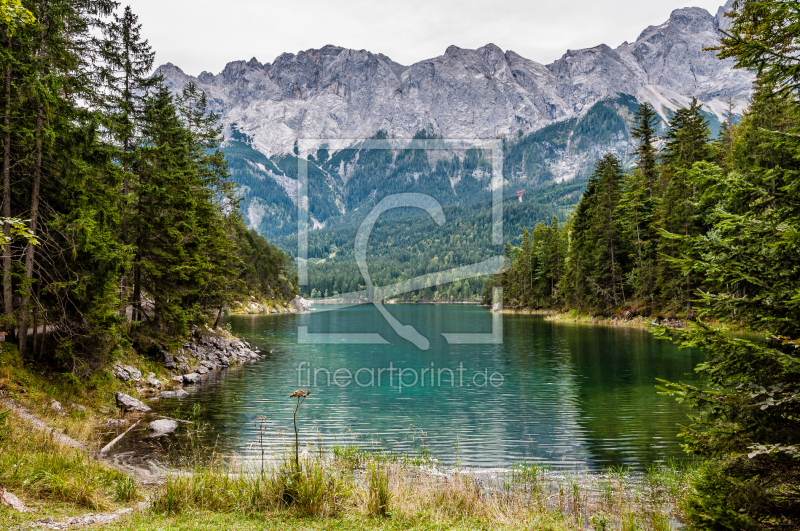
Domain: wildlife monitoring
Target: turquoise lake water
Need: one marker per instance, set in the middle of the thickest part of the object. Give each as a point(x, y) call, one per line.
point(572, 395)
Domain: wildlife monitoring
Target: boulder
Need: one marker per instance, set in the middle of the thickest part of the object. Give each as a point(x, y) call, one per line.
point(128, 403)
point(6, 498)
point(77, 407)
point(201, 370)
point(180, 393)
point(116, 423)
point(161, 427)
point(152, 382)
point(126, 372)
point(178, 379)
point(192, 378)
point(300, 304)
point(55, 405)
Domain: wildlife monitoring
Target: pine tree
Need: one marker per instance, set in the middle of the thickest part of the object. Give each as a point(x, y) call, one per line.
point(644, 133)
point(125, 73)
point(746, 422)
point(686, 143)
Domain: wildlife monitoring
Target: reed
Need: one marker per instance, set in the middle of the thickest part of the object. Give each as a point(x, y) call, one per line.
point(346, 482)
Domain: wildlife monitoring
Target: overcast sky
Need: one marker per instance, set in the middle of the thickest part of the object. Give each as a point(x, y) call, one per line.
point(202, 35)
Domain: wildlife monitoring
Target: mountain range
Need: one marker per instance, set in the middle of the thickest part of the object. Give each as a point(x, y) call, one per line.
point(555, 119)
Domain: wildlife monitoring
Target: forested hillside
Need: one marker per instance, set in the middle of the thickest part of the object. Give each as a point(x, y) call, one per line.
point(120, 221)
point(624, 248)
point(408, 243)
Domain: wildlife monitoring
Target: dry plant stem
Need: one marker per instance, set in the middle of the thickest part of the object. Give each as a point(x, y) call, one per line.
point(301, 397)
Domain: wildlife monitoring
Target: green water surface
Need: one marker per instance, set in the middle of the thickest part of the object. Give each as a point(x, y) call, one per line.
point(572, 395)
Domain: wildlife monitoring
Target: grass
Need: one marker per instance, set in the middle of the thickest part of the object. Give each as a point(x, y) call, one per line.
point(350, 487)
point(36, 389)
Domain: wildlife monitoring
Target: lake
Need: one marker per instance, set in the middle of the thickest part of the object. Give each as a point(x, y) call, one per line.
point(572, 395)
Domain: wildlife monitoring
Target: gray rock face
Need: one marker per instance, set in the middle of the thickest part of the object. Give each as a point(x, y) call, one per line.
point(128, 403)
point(336, 92)
point(126, 372)
point(300, 304)
point(161, 427)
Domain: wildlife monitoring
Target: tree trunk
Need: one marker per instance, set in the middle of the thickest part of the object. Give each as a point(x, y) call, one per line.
point(8, 296)
point(219, 316)
point(36, 315)
point(30, 250)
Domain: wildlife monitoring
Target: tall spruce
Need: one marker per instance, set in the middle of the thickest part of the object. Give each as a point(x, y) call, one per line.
point(127, 63)
point(686, 143)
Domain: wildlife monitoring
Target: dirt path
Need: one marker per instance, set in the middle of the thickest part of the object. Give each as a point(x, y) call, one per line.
point(145, 472)
point(39, 424)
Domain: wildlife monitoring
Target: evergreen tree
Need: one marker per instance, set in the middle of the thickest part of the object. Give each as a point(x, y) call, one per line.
point(686, 143)
point(644, 133)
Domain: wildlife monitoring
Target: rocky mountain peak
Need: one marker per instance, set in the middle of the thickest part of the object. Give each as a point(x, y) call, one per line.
point(335, 92)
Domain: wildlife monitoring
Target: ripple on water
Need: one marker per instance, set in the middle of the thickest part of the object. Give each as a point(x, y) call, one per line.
point(571, 395)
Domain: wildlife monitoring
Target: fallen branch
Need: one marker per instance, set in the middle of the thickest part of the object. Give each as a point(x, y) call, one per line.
point(108, 447)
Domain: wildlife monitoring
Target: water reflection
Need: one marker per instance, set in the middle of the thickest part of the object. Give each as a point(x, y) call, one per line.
point(571, 395)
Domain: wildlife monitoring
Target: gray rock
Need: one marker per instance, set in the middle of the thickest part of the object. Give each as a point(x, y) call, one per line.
point(56, 406)
point(192, 378)
point(7, 498)
point(209, 365)
point(128, 403)
point(135, 374)
point(116, 423)
point(152, 382)
point(178, 393)
point(126, 372)
point(77, 407)
point(161, 427)
point(300, 304)
point(201, 370)
point(224, 361)
point(178, 379)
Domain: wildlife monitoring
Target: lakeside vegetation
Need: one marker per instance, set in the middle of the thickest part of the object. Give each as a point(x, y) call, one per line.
point(704, 230)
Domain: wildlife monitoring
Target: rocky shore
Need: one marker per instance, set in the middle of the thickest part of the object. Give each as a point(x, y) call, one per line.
point(207, 351)
point(271, 306)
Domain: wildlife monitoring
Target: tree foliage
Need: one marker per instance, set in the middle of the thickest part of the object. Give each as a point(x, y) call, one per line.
point(132, 231)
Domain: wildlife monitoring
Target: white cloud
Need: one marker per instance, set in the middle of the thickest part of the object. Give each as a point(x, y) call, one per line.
point(202, 35)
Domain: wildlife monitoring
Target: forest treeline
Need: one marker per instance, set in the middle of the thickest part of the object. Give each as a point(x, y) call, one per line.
point(120, 221)
point(624, 247)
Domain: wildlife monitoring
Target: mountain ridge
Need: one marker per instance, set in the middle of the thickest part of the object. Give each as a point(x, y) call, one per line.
point(336, 92)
